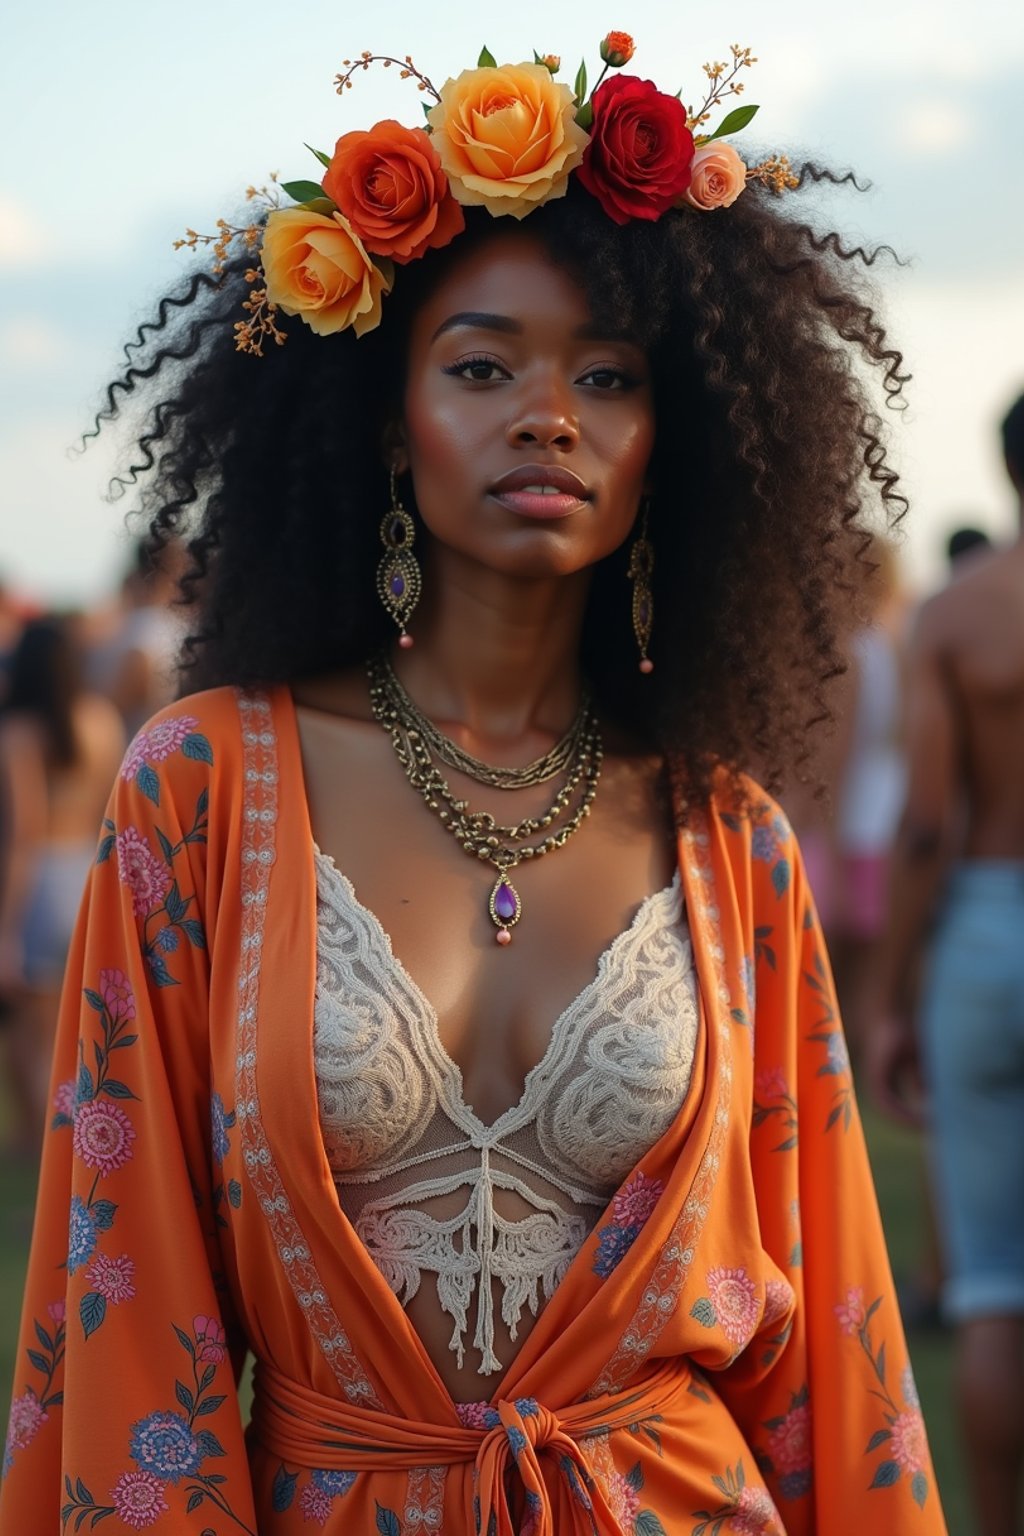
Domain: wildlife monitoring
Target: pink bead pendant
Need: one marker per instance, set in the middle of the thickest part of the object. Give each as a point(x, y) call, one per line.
point(505, 908)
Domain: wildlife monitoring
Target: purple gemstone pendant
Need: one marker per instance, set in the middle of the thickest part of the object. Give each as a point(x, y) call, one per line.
point(505, 908)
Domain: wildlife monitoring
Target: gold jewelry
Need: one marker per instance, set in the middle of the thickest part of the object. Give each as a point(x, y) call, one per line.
point(538, 772)
point(477, 832)
point(399, 583)
point(641, 568)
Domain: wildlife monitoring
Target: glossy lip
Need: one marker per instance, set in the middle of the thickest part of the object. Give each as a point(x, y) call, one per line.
point(511, 491)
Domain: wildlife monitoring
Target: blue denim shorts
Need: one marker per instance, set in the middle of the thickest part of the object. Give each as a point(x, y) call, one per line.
point(973, 1034)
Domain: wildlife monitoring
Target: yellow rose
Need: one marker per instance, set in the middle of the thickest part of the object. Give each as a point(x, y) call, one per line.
point(506, 137)
point(316, 268)
point(718, 177)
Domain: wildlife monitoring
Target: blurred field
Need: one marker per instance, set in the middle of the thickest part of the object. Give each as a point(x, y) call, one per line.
point(897, 1163)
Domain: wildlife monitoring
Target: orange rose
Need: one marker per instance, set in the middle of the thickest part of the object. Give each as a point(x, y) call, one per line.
point(316, 268)
point(617, 49)
point(390, 186)
point(506, 137)
point(719, 176)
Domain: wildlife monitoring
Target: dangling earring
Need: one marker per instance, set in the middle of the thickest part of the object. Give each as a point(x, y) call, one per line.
point(398, 575)
point(641, 567)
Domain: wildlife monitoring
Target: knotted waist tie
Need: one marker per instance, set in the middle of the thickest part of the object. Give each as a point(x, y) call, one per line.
point(318, 1432)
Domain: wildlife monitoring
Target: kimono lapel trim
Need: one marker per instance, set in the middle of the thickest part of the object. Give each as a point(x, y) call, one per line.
point(661, 1294)
point(259, 852)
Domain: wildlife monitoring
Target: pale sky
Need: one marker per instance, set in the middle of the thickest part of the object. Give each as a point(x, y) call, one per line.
point(123, 123)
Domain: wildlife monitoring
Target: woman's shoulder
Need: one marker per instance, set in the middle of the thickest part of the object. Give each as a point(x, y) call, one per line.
point(201, 736)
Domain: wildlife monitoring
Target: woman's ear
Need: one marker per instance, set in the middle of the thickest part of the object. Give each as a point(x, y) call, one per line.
point(393, 447)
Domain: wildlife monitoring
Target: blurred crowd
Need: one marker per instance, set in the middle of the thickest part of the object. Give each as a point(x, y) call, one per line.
point(914, 852)
point(74, 688)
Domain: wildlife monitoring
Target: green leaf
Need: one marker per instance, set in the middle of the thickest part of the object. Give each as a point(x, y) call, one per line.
point(166, 846)
point(175, 905)
point(283, 1491)
point(195, 746)
point(887, 1474)
point(92, 1309)
point(209, 1444)
point(209, 1405)
point(302, 191)
point(105, 849)
point(704, 1312)
point(148, 783)
point(117, 1090)
point(733, 121)
point(39, 1360)
point(486, 59)
point(879, 1437)
point(184, 1396)
point(585, 116)
point(234, 1194)
point(648, 1524)
point(93, 999)
point(324, 159)
point(195, 1498)
point(103, 1213)
point(194, 929)
point(387, 1521)
point(579, 89)
point(919, 1489)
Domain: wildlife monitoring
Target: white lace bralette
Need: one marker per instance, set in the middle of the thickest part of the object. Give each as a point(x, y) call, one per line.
point(495, 1212)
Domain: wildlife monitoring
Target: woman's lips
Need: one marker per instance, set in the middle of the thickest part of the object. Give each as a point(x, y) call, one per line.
point(541, 491)
point(539, 504)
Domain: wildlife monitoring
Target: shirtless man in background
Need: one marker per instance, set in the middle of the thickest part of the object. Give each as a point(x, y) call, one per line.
point(957, 886)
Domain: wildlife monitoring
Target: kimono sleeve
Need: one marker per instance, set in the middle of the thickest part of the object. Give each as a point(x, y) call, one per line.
point(124, 1407)
point(826, 1398)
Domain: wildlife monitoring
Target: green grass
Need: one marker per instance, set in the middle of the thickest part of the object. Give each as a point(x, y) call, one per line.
point(897, 1161)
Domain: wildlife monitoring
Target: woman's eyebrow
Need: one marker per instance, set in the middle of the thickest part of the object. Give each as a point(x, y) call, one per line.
point(480, 321)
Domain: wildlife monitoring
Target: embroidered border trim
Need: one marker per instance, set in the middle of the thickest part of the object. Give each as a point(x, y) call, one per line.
point(259, 837)
point(663, 1291)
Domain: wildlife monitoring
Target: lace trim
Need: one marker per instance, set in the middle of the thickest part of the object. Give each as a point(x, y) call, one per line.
point(661, 1294)
point(259, 743)
point(610, 1082)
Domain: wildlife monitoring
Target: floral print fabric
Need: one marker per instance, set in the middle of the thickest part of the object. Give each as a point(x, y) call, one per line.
point(187, 1214)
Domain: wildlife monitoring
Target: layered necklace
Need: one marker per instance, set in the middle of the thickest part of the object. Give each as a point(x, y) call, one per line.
point(419, 745)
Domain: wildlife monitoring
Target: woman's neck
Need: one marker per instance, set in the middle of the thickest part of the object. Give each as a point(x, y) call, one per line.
point(497, 657)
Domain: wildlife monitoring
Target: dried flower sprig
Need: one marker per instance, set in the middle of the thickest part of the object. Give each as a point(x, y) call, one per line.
point(407, 71)
point(776, 173)
point(227, 234)
point(723, 82)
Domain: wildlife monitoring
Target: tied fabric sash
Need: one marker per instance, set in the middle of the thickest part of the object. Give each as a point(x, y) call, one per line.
point(311, 1430)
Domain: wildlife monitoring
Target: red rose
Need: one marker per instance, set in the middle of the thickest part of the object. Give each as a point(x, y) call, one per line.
point(637, 163)
point(389, 184)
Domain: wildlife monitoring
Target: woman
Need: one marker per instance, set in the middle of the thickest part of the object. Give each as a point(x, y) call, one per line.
point(519, 1243)
point(59, 749)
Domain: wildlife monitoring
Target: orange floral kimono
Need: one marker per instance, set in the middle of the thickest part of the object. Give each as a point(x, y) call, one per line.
point(724, 1354)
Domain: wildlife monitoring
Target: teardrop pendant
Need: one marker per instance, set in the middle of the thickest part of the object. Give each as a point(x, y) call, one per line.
point(505, 908)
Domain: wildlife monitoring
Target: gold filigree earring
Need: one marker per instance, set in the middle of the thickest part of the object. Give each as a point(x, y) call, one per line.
point(399, 582)
point(641, 568)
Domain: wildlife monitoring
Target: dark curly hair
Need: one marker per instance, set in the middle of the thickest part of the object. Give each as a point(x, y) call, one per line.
point(769, 461)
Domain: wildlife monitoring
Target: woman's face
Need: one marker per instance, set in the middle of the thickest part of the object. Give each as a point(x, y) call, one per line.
point(528, 425)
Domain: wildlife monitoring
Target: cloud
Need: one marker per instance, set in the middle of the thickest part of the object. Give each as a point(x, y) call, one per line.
point(22, 238)
point(934, 126)
point(31, 342)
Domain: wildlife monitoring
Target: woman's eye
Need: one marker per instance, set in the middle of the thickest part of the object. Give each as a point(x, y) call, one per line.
point(483, 370)
point(608, 378)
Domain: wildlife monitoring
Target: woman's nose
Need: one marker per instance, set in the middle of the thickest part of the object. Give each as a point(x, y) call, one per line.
point(545, 416)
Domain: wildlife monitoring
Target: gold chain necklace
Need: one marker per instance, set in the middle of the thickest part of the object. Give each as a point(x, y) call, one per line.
point(538, 772)
point(477, 832)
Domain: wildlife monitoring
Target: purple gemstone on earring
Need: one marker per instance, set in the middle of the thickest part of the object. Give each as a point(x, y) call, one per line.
point(397, 585)
point(505, 902)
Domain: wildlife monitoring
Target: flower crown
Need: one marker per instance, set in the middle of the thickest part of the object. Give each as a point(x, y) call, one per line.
point(504, 137)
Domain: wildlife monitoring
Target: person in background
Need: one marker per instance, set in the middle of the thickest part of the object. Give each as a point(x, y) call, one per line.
point(959, 858)
point(870, 786)
point(59, 747)
point(137, 668)
point(965, 541)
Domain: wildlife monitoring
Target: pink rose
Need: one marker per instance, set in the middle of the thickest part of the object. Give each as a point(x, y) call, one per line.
point(789, 1443)
point(211, 1346)
point(116, 992)
point(719, 176)
point(734, 1298)
point(57, 1311)
point(141, 871)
